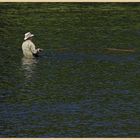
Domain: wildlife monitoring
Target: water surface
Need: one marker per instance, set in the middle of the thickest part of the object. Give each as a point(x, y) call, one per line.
point(77, 88)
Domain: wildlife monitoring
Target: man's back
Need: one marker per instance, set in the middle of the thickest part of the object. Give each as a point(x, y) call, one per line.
point(28, 49)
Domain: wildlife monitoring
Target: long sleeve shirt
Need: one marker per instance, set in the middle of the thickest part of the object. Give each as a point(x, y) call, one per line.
point(28, 49)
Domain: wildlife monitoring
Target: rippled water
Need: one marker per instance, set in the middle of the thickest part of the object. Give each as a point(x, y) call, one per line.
point(77, 88)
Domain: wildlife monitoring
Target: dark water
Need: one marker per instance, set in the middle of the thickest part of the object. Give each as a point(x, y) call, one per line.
point(77, 88)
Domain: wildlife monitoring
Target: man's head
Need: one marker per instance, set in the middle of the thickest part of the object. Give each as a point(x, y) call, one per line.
point(28, 36)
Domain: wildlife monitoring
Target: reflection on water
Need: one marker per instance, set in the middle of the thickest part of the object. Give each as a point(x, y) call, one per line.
point(28, 65)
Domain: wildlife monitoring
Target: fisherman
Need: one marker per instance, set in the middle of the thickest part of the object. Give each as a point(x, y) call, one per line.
point(28, 47)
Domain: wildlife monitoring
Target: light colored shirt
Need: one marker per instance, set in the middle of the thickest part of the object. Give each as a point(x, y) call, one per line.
point(28, 49)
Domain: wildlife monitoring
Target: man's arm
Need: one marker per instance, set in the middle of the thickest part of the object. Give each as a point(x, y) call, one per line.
point(33, 49)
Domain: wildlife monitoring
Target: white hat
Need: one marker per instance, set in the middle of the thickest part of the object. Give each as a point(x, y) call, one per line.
point(28, 35)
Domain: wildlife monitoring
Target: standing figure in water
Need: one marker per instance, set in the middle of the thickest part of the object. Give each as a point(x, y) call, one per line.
point(28, 47)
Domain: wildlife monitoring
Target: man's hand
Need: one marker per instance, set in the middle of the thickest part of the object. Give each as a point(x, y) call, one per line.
point(39, 50)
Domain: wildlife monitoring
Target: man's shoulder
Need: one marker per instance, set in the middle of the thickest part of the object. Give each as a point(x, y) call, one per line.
point(27, 42)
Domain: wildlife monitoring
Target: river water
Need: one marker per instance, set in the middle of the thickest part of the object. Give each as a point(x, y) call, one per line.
point(78, 87)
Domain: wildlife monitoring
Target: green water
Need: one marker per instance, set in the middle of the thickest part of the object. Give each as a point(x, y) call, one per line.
point(77, 88)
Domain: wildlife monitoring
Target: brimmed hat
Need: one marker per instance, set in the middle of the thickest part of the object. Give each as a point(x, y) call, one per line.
point(28, 35)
